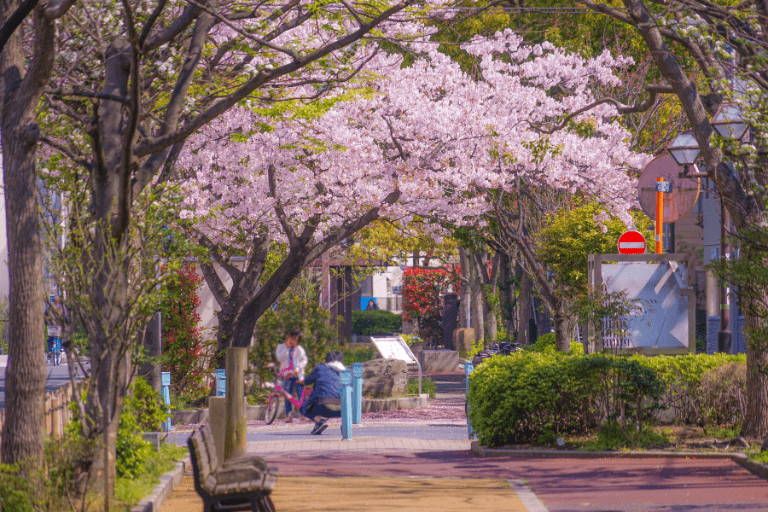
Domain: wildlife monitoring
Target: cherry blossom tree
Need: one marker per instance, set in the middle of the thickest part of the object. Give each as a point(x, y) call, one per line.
point(422, 140)
point(133, 81)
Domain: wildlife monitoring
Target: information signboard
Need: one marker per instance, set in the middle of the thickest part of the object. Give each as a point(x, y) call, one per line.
point(394, 348)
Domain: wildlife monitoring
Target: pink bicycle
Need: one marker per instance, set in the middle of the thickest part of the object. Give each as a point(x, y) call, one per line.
point(273, 404)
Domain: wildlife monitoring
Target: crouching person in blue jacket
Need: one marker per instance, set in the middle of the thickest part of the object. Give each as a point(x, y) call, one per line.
point(325, 399)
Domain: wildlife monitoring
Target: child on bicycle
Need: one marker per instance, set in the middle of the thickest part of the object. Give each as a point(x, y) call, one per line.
point(325, 393)
point(291, 354)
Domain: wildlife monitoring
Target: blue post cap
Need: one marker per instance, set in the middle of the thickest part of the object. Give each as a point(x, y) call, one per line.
point(468, 368)
point(357, 370)
point(346, 377)
point(165, 378)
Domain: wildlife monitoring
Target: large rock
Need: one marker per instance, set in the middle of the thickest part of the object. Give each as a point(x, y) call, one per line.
point(384, 378)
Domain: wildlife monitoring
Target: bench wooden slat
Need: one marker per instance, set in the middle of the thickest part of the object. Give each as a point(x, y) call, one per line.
point(238, 484)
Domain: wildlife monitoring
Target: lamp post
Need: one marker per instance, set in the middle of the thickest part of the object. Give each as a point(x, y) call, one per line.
point(729, 123)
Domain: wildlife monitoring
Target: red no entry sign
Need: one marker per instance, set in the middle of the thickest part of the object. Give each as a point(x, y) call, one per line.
point(631, 242)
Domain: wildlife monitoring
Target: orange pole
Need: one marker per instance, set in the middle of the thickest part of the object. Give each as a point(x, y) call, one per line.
point(659, 217)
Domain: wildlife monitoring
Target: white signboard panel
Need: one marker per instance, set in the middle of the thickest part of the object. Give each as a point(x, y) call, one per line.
point(394, 348)
point(663, 323)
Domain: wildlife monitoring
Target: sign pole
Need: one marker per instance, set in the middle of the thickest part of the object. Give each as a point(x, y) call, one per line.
point(660, 185)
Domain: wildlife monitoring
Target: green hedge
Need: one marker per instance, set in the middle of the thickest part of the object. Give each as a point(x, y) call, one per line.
point(377, 321)
point(682, 376)
point(532, 396)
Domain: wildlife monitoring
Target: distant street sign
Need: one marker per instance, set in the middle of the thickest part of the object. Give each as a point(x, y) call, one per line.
point(631, 242)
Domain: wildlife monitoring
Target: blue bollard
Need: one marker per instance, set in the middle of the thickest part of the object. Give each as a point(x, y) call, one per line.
point(221, 382)
point(165, 383)
point(357, 393)
point(346, 404)
point(468, 368)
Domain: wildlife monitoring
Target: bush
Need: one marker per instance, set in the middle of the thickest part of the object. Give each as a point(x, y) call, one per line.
point(141, 413)
point(682, 376)
point(722, 395)
point(185, 353)
point(525, 397)
point(359, 354)
point(546, 343)
point(377, 321)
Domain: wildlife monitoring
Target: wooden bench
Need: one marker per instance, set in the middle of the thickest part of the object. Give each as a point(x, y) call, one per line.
point(243, 483)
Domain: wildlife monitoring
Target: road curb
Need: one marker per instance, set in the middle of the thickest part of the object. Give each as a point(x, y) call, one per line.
point(162, 490)
point(756, 468)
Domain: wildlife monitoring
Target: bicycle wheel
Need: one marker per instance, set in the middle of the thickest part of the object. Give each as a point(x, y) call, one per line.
point(272, 407)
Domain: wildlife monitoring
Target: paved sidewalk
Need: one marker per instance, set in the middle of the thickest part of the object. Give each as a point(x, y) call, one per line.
point(421, 460)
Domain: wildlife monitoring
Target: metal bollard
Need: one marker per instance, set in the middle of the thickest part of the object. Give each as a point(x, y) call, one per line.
point(165, 387)
point(346, 404)
point(221, 382)
point(357, 393)
point(468, 368)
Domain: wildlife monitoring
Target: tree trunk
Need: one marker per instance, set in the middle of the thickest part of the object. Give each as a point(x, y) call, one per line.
point(465, 297)
point(524, 307)
point(23, 430)
point(476, 300)
point(507, 295)
point(113, 373)
point(563, 328)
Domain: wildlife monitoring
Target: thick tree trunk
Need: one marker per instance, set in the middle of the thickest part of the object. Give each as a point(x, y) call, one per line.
point(23, 430)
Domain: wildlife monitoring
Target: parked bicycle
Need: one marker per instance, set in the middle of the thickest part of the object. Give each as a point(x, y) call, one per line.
point(277, 396)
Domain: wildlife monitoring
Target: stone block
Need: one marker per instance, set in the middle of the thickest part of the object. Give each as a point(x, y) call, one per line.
point(154, 438)
point(462, 339)
point(384, 378)
point(439, 360)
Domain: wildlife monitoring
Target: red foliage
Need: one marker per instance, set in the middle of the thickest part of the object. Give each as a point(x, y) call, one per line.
point(422, 297)
point(181, 337)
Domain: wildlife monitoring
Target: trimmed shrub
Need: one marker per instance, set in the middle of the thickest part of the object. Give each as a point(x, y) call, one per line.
point(530, 397)
point(682, 376)
point(377, 321)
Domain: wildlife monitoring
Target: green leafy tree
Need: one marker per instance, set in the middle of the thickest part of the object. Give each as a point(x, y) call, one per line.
point(571, 234)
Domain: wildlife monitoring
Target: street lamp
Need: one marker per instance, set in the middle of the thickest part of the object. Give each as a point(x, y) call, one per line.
point(684, 149)
point(729, 122)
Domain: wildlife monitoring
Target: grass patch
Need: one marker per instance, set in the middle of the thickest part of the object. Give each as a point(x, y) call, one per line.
point(427, 386)
point(129, 492)
point(722, 431)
